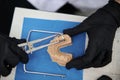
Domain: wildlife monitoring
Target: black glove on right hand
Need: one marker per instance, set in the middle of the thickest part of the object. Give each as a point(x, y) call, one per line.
point(100, 27)
point(10, 54)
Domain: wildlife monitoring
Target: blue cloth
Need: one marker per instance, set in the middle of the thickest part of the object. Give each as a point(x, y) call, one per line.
point(40, 60)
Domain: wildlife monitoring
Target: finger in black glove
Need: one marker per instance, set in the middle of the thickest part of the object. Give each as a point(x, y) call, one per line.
point(10, 54)
point(100, 27)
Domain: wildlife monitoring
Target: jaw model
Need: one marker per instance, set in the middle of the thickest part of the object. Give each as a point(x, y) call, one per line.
point(56, 55)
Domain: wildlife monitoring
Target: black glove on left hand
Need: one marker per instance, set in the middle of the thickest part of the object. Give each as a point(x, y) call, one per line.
point(100, 27)
point(10, 54)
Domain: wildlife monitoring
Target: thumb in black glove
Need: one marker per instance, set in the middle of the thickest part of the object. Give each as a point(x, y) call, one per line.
point(100, 27)
point(10, 54)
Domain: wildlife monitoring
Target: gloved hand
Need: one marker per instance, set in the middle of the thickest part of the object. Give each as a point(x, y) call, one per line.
point(10, 54)
point(100, 27)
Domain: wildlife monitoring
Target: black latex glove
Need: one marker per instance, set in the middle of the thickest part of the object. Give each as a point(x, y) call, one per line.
point(10, 54)
point(100, 27)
